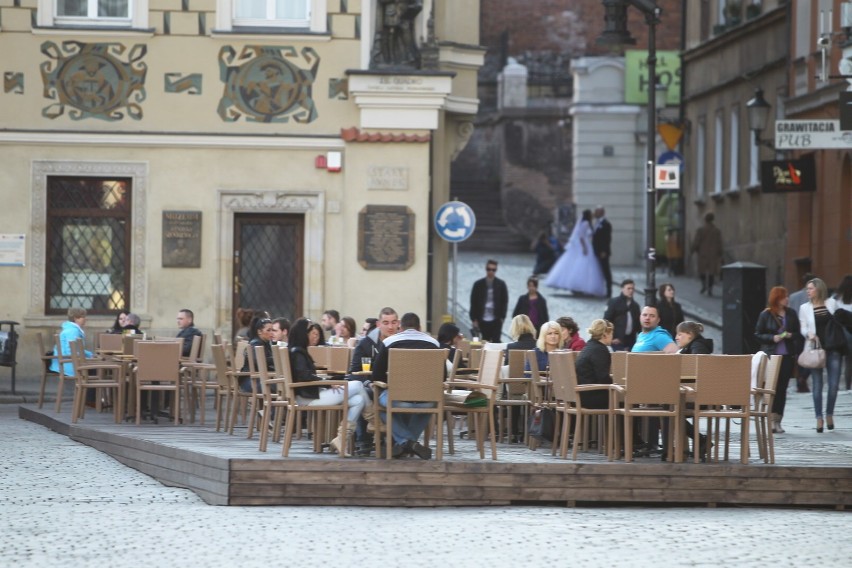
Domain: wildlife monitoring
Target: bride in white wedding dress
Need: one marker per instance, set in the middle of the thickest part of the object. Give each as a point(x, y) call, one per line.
point(578, 268)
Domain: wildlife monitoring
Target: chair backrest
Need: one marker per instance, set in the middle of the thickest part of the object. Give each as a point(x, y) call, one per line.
point(688, 366)
point(618, 366)
point(416, 375)
point(281, 356)
point(221, 362)
point(262, 372)
point(516, 363)
point(464, 347)
point(723, 379)
point(239, 360)
point(110, 341)
point(78, 357)
point(60, 358)
point(339, 359)
point(217, 338)
point(474, 358)
point(195, 348)
point(128, 343)
point(489, 370)
point(158, 361)
point(563, 375)
point(454, 365)
point(319, 353)
point(652, 379)
point(763, 401)
point(535, 376)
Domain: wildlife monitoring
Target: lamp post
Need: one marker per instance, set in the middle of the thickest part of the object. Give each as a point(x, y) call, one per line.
point(616, 33)
point(758, 117)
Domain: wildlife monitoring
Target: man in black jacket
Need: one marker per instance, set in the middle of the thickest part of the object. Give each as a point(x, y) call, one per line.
point(186, 323)
point(623, 312)
point(489, 301)
point(407, 428)
point(601, 243)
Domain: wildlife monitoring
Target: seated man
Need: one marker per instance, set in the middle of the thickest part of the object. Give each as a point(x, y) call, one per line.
point(186, 323)
point(407, 428)
point(652, 338)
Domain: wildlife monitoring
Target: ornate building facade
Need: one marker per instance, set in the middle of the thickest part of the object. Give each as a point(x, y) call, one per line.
point(285, 156)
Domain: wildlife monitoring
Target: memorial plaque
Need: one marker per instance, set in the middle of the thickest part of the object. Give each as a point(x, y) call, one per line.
point(181, 239)
point(387, 177)
point(386, 237)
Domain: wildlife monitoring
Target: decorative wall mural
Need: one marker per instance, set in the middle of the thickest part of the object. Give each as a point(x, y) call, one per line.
point(13, 82)
point(93, 80)
point(338, 89)
point(177, 83)
point(265, 84)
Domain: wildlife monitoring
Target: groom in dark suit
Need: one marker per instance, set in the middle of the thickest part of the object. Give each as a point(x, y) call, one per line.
point(601, 243)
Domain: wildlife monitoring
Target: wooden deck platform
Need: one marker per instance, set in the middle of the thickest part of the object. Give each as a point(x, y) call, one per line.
point(229, 470)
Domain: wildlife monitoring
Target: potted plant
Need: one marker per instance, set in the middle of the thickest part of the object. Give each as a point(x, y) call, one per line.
point(733, 12)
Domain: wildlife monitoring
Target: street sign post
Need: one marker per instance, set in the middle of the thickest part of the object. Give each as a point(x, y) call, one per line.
point(455, 222)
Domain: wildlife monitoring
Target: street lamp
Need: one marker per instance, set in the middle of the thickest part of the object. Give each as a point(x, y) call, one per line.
point(758, 117)
point(615, 32)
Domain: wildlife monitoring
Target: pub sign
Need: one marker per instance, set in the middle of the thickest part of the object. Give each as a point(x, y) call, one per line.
point(788, 176)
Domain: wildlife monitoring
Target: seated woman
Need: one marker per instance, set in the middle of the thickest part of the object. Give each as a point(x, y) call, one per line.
point(260, 335)
point(344, 331)
point(571, 334)
point(549, 339)
point(304, 370)
point(119, 323)
point(316, 336)
point(449, 336)
point(131, 324)
point(690, 340)
point(522, 331)
point(594, 364)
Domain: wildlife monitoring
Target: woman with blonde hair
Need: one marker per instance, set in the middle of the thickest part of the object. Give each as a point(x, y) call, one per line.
point(594, 363)
point(814, 316)
point(523, 332)
point(549, 339)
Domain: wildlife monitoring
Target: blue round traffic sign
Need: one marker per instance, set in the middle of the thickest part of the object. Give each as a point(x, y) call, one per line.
point(455, 221)
point(671, 158)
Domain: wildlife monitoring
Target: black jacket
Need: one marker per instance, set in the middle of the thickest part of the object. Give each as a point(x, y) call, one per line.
point(602, 239)
point(304, 371)
point(698, 346)
point(768, 325)
point(670, 316)
point(524, 343)
point(188, 333)
point(523, 307)
point(593, 367)
point(616, 312)
point(479, 294)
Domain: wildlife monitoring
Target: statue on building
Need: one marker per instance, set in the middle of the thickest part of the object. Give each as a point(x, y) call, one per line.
point(394, 44)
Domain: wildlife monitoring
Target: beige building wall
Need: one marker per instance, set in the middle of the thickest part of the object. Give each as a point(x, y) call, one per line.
point(183, 155)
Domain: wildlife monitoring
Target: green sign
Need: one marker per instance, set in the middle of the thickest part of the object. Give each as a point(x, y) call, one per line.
point(636, 76)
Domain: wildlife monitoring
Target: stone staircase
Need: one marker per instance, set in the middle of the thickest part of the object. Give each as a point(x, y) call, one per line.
point(491, 234)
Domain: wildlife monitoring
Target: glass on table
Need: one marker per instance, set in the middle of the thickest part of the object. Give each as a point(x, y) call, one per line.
point(365, 363)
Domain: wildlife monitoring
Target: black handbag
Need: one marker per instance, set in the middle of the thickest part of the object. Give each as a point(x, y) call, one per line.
point(541, 424)
point(835, 339)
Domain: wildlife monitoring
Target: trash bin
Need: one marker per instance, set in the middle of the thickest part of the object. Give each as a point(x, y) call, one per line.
point(743, 298)
point(9, 347)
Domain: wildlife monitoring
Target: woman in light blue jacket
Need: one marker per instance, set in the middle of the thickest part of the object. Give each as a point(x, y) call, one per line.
point(72, 330)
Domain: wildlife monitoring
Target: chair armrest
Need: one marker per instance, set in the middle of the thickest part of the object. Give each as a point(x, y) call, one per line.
point(582, 388)
point(516, 380)
point(319, 384)
point(469, 385)
point(756, 390)
point(687, 389)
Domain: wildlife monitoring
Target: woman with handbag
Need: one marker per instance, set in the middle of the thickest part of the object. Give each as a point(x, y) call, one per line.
point(814, 317)
point(778, 332)
point(843, 301)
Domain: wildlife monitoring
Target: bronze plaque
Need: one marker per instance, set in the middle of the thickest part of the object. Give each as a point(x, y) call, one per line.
point(386, 237)
point(181, 239)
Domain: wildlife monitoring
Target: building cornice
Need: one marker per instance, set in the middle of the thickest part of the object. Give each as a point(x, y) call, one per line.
point(46, 138)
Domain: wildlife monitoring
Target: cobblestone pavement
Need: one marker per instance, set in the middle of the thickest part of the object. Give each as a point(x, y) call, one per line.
point(66, 504)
